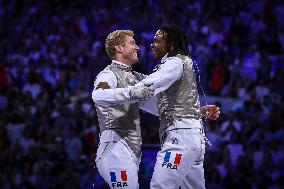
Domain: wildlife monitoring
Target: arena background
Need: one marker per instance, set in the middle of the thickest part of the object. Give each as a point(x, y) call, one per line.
point(52, 50)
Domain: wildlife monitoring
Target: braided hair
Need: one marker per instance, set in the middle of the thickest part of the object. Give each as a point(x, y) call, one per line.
point(176, 40)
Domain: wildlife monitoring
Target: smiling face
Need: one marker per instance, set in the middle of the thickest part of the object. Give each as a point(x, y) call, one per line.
point(121, 46)
point(129, 51)
point(159, 45)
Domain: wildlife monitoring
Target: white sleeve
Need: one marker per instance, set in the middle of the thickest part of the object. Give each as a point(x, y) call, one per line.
point(106, 76)
point(105, 97)
point(110, 96)
point(165, 76)
point(150, 106)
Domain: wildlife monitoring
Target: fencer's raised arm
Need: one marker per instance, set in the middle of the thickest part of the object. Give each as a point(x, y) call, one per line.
point(167, 73)
point(106, 93)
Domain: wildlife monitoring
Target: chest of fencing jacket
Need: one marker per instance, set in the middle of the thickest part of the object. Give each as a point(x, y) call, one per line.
point(181, 99)
point(123, 118)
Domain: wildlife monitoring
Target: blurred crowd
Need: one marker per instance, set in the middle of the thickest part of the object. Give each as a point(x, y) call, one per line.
point(52, 50)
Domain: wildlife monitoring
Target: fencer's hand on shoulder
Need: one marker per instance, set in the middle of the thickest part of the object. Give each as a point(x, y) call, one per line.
point(141, 93)
point(210, 111)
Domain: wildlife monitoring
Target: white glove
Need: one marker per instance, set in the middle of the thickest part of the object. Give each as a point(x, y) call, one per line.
point(141, 93)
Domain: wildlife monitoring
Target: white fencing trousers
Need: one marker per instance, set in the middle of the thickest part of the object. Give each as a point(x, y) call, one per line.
point(116, 162)
point(180, 161)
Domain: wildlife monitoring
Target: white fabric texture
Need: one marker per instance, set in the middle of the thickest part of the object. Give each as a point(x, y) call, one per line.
point(113, 157)
point(163, 78)
point(180, 161)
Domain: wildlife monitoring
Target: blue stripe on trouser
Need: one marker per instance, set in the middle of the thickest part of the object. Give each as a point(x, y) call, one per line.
point(112, 177)
point(167, 157)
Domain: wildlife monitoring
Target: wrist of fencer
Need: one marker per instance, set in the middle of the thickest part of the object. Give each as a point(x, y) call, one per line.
point(133, 94)
point(137, 94)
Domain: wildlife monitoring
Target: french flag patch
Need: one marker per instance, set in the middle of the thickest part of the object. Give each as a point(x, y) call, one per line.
point(171, 160)
point(118, 178)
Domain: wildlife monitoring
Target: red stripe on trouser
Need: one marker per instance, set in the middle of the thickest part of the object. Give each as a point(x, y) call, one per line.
point(178, 158)
point(123, 175)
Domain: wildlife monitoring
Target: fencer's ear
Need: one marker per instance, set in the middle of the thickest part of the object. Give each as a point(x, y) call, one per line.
point(118, 48)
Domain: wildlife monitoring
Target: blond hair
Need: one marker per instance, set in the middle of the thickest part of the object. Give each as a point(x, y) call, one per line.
point(116, 37)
